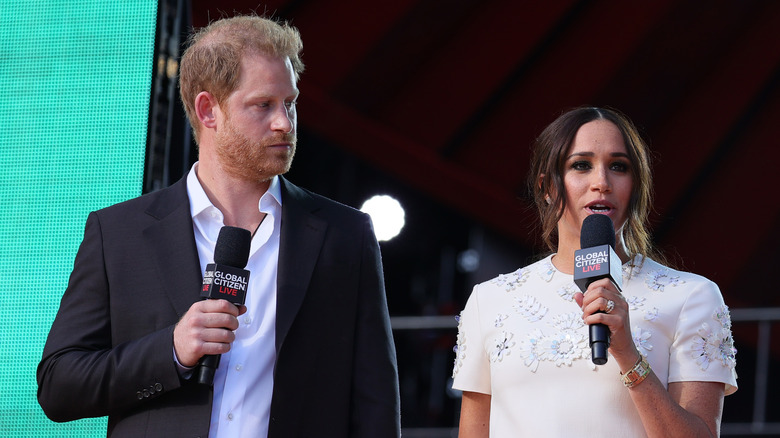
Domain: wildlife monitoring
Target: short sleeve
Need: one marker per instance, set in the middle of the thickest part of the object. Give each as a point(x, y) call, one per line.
point(471, 371)
point(703, 349)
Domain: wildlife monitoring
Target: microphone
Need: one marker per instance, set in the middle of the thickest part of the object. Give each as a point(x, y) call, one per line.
point(225, 279)
point(596, 260)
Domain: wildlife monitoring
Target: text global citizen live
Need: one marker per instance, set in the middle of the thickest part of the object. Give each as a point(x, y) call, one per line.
point(589, 261)
point(225, 282)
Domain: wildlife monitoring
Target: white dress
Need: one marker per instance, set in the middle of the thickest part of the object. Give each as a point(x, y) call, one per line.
point(522, 340)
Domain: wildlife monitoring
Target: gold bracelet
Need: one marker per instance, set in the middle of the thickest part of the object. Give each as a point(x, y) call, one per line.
point(637, 374)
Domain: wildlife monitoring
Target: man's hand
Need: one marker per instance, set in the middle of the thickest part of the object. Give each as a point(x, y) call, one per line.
point(206, 328)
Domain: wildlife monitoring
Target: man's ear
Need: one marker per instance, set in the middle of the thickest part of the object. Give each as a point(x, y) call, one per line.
point(206, 107)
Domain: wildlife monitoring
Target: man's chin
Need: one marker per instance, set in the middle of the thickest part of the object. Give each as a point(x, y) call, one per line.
point(265, 173)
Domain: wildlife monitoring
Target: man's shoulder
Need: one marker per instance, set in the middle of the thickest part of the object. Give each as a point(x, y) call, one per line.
point(314, 202)
point(157, 203)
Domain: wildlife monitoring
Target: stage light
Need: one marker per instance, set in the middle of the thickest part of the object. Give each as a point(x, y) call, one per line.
point(387, 214)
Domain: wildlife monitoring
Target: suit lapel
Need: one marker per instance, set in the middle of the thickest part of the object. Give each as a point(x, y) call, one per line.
point(171, 243)
point(301, 237)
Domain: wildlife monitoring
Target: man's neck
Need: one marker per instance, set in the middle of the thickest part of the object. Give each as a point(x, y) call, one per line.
point(237, 199)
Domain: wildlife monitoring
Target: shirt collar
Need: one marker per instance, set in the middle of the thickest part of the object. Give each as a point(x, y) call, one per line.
point(200, 202)
point(274, 193)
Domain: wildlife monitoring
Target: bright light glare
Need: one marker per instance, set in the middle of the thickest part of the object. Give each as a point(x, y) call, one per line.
point(386, 214)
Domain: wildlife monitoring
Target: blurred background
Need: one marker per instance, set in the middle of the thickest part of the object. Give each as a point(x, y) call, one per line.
point(436, 103)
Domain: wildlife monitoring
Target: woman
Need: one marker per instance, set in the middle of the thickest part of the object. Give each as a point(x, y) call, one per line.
point(523, 358)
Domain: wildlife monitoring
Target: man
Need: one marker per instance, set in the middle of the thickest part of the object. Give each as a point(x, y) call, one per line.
point(310, 355)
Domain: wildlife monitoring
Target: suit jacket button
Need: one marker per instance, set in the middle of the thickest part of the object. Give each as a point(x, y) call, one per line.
point(158, 387)
point(139, 395)
point(146, 393)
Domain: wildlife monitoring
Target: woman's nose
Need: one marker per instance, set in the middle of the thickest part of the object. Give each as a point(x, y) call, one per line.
point(600, 181)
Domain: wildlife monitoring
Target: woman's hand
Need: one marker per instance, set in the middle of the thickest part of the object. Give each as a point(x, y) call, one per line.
point(597, 299)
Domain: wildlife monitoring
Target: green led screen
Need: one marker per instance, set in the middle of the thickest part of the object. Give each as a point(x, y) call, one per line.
point(75, 80)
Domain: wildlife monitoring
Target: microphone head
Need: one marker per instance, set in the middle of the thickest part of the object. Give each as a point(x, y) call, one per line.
point(232, 247)
point(597, 229)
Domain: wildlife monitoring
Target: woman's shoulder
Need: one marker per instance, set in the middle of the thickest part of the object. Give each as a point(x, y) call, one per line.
point(648, 276)
point(652, 269)
point(519, 276)
point(530, 280)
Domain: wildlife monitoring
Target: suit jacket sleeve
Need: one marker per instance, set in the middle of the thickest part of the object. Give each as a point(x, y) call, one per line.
point(84, 371)
point(376, 405)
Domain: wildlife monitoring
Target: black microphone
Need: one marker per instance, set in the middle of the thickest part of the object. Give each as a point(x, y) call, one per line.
point(596, 260)
point(225, 279)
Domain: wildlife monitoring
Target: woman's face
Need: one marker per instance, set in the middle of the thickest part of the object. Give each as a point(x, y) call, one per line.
point(596, 178)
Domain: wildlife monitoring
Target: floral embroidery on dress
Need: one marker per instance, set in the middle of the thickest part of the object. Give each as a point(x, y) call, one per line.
point(530, 308)
point(632, 268)
point(530, 349)
point(503, 344)
point(642, 340)
point(500, 318)
point(512, 280)
point(715, 343)
point(459, 348)
point(659, 279)
point(635, 302)
point(723, 316)
point(568, 321)
point(568, 343)
point(567, 292)
point(564, 347)
point(652, 314)
point(546, 270)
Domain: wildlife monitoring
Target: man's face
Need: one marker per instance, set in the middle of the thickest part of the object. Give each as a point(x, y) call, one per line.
point(257, 135)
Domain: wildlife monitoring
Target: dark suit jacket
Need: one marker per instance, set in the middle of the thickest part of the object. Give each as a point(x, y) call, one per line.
point(110, 348)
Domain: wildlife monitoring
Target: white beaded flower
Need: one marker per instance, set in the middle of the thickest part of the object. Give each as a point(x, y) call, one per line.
point(530, 308)
point(632, 268)
point(502, 346)
point(459, 348)
point(569, 342)
point(652, 314)
point(530, 349)
point(723, 316)
point(642, 340)
point(500, 318)
point(512, 280)
point(567, 292)
point(635, 302)
point(571, 321)
point(546, 270)
point(565, 347)
point(714, 344)
point(659, 279)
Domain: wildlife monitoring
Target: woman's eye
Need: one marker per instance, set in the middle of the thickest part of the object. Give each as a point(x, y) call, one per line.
point(291, 105)
point(580, 165)
point(619, 166)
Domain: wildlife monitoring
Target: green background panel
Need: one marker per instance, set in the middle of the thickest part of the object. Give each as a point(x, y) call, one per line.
point(75, 79)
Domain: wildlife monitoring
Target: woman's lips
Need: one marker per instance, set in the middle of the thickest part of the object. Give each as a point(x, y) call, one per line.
point(600, 207)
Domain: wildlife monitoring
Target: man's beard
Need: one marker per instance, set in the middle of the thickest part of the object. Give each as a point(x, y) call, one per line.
point(251, 160)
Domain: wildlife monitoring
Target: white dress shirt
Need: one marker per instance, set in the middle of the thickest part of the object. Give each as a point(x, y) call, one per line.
point(243, 383)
